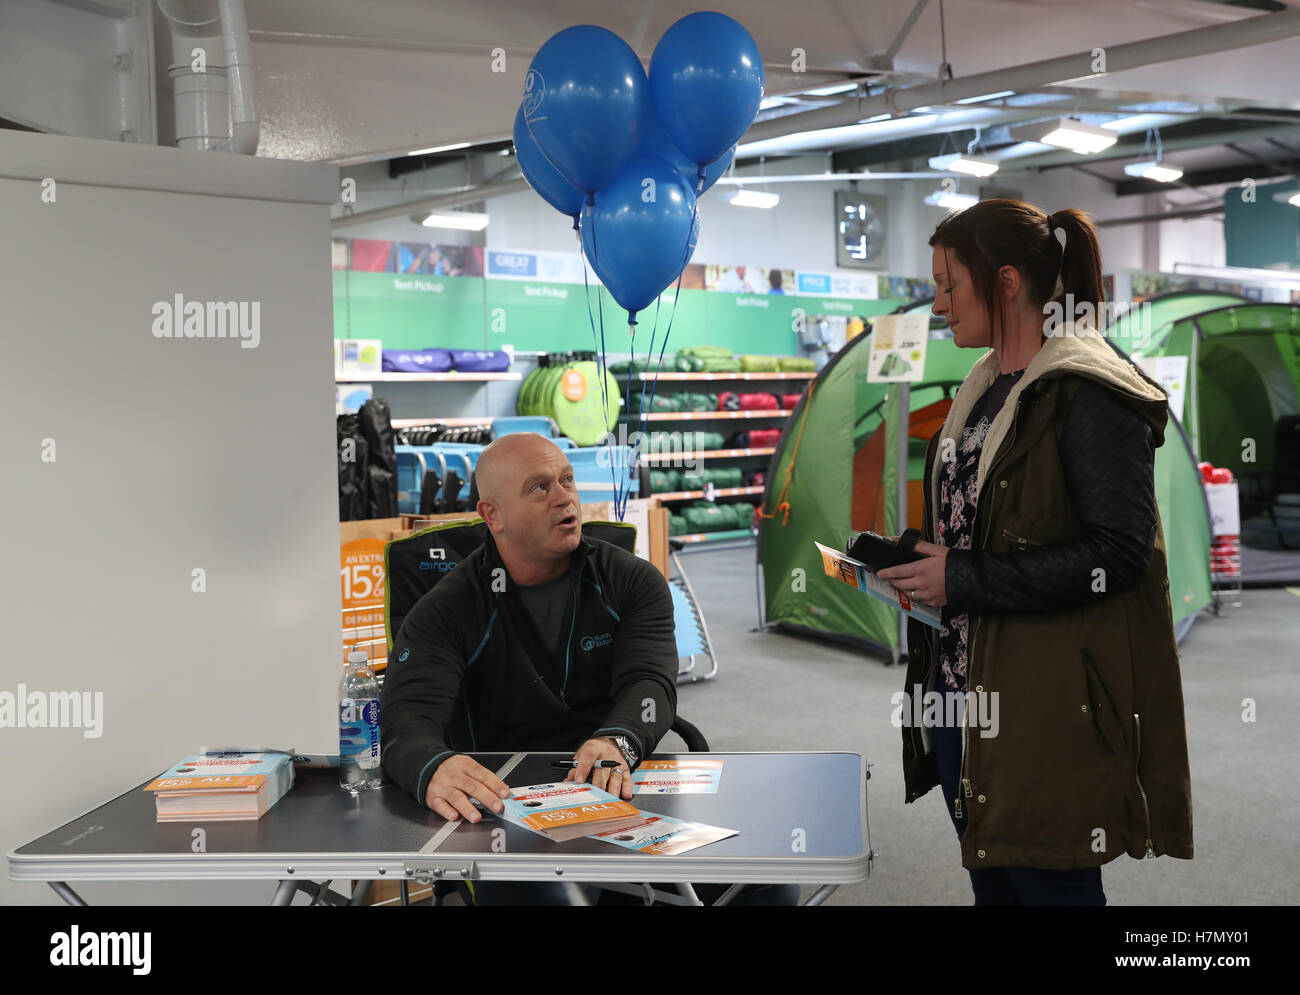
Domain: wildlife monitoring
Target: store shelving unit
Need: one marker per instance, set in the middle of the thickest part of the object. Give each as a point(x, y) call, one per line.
point(423, 377)
point(706, 415)
point(709, 454)
point(771, 417)
point(705, 377)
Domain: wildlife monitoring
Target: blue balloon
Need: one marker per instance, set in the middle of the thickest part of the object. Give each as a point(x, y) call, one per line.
point(706, 81)
point(542, 176)
point(585, 101)
point(641, 231)
point(657, 143)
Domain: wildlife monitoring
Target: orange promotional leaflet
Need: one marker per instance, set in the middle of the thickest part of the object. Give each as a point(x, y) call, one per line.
point(664, 836)
point(677, 777)
point(856, 574)
point(567, 810)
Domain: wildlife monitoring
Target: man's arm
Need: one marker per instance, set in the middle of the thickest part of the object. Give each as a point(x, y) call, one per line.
point(644, 679)
point(426, 668)
point(1108, 458)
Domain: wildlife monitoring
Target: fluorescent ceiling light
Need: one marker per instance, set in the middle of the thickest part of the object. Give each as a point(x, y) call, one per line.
point(987, 96)
point(950, 200)
point(440, 148)
point(826, 91)
point(1294, 199)
point(755, 198)
point(1070, 134)
point(1153, 171)
point(460, 220)
point(972, 165)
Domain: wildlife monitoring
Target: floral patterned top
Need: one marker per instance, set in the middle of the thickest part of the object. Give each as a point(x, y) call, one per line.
point(957, 516)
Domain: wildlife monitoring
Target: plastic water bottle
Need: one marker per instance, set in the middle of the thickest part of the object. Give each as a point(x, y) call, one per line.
point(358, 726)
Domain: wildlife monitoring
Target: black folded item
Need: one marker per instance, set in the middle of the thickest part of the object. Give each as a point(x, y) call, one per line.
point(877, 552)
point(381, 459)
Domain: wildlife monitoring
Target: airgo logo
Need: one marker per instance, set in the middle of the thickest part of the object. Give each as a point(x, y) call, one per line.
point(590, 643)
point(440, 567)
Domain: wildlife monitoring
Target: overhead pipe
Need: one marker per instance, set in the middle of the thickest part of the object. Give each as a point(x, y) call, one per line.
point(1249, 31)
point(215, 109)
point(245, 129)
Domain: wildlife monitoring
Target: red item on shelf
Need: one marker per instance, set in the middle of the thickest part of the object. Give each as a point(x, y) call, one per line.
point(790, 401)
point(1207, 471)
point(731, 401)
point(1221, 475)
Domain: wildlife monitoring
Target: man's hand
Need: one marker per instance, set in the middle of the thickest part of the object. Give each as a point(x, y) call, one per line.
point(922, 580)
point(457, 781)
point(593, 751)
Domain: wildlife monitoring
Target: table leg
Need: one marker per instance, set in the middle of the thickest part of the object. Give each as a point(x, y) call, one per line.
point(66, 893)
point(726, 897)
point(575, 894)
point(361, 892)
point(821, 894)
point(405, 888)
point(284, 893)
point(687, 892)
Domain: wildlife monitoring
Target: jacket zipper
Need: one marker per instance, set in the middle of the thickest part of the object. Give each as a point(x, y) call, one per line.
point(1019, 540)
point(970, 657)
point(568, 647)
point(1146, 810)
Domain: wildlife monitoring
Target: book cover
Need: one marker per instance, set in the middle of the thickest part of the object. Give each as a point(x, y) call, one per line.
point(566, 810)
point(664, 836)
point(221, 773)
point(677, 777)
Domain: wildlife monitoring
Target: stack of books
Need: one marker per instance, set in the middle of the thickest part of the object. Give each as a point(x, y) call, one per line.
point(225, 787)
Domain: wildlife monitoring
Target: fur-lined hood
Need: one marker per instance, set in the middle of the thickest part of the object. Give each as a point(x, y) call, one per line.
point(1077, 349)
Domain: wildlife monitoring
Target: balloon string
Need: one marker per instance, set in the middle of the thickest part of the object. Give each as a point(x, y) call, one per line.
point(591, 320)
point(677, 293)
point(601, 366)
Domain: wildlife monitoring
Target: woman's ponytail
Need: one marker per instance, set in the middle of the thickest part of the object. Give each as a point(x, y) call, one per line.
point(1082, 291)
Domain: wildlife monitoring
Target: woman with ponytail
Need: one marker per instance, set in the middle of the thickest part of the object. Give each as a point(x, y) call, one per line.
point(1045, 553)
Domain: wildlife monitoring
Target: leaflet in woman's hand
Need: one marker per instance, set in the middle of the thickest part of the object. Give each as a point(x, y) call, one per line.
point(859, 575)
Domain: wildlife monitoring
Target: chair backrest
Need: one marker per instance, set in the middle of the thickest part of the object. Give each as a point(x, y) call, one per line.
point(415, 563)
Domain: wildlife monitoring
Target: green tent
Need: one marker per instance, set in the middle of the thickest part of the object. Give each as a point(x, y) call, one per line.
point(832, 475)
point(1242, 384)
point(1139, 328)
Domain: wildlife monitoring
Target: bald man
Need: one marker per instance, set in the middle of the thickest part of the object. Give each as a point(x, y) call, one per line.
point(541, 639)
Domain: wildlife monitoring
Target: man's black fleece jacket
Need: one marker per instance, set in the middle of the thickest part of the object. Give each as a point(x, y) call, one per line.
point(468, 672)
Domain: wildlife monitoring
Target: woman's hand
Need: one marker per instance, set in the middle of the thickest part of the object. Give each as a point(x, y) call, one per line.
point(922, 580)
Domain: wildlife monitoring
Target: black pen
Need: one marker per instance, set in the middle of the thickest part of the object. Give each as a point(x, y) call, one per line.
point(572, 764)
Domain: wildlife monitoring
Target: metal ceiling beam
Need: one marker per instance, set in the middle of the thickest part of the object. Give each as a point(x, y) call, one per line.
point(1249, 31)
point(1128, 149)
point(1144, 219)
point(1205, 178)
point(494, 189)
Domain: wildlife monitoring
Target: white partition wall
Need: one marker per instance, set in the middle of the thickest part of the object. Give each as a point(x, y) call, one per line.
point(169, 504)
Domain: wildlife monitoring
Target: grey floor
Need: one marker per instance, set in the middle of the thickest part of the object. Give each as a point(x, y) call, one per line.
point(780, 692)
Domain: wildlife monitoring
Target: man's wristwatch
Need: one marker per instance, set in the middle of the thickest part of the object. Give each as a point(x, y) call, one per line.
point(626, 748)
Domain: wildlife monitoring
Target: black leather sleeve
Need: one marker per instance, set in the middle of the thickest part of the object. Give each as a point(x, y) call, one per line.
point(1109, 463)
